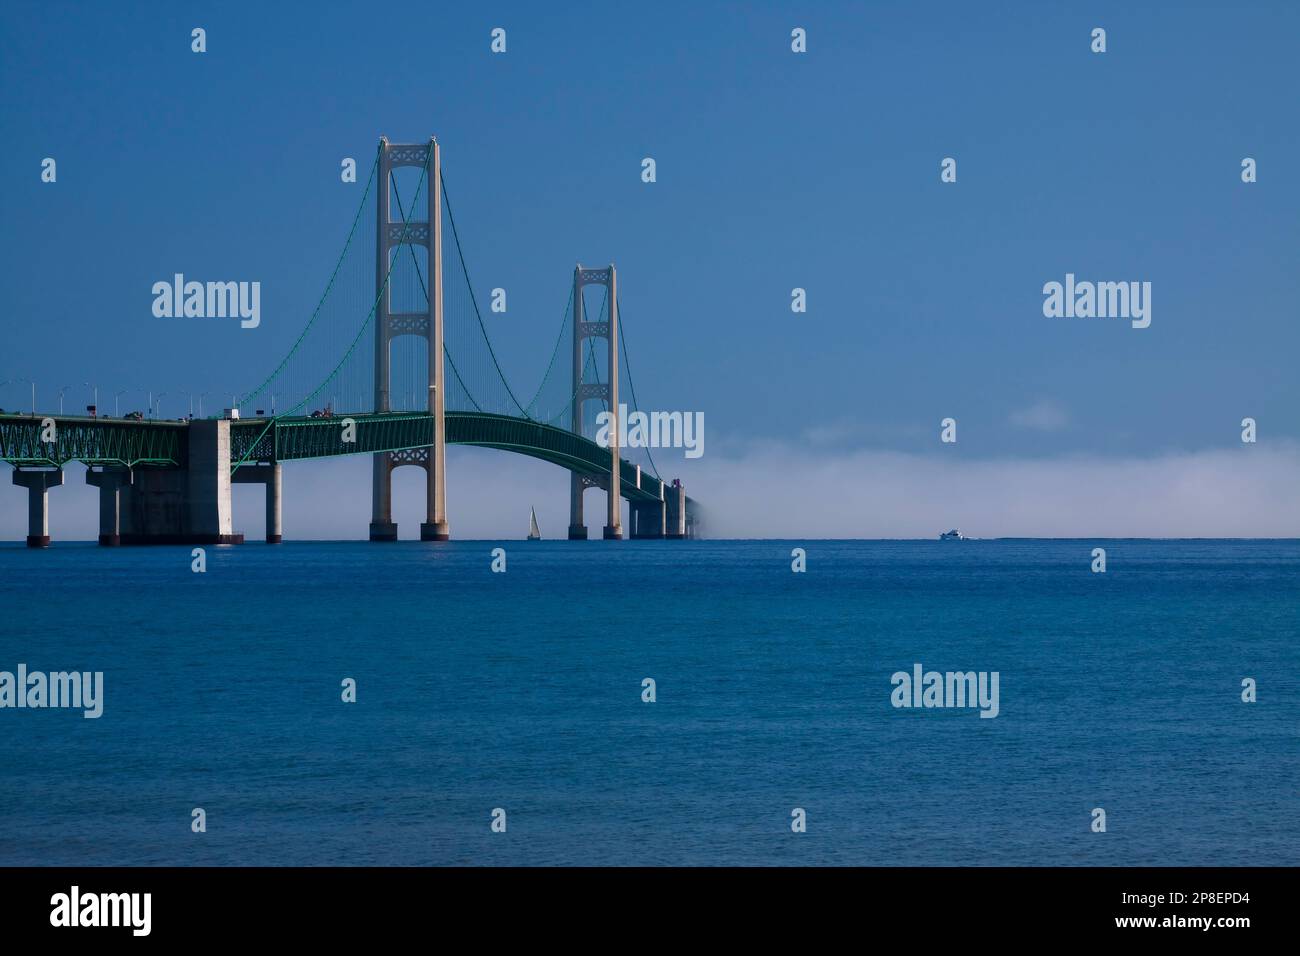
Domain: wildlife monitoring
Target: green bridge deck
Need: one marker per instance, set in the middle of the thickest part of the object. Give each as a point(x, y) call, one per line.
point(162, 444)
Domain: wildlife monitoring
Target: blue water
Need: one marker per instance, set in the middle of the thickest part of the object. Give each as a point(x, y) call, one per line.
point(523, 691)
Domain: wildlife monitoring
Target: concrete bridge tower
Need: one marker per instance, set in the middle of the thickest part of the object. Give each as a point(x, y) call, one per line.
point(390, 238)
point(603, 327)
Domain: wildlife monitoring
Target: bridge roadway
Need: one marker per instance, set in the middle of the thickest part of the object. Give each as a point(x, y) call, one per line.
point(258, 446)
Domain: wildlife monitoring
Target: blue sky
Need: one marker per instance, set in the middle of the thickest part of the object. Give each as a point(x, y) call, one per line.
point(775, 170)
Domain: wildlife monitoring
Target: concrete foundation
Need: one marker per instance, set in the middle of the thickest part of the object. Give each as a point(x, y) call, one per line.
point(434, 531)
point(648, 519)
point(38, 483)
point(110, 482)
point(189, 505)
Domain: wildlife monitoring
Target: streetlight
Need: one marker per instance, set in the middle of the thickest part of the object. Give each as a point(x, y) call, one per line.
point(191, 395)
point(95, 399)
point(201, 394)
point(61, 391)
point(31, 382)
point(116, 396)
point(161, 396)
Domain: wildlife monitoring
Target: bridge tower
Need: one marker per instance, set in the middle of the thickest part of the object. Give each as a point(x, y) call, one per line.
point(390, 237)
point(604, 327)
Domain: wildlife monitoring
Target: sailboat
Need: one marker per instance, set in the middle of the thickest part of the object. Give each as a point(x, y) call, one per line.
point(534, 532)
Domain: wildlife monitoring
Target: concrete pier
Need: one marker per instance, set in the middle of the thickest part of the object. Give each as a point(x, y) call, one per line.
point(382, 526)
point(434, 531)
point(675, 511)
point(208, 512)
point(577, 525)
point(274, 530)
point(156, 505)
point(38, 483)
point(649, 519)
point(110, 482)
point(270, 476)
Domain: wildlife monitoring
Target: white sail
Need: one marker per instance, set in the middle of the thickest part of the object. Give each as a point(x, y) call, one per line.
point(534, 532)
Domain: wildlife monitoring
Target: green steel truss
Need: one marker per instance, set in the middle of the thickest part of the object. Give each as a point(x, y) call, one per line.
point(293, 439)
point(549, 443)
point(95, 441)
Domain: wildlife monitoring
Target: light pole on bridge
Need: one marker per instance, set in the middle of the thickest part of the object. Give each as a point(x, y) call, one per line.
point(94, 397)
point(62, 391)
point(116, 396)
point(31, 382)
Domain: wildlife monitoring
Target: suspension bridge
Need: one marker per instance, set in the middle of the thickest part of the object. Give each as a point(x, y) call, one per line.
point(395, 361)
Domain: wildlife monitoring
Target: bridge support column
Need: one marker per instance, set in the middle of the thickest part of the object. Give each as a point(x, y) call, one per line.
point(675, 511)
point(435, 528)
point(577, 526)
point(38, 484)
point(274, 530)
point(186, 505)
point(110, 482)
point(382, 527)
point(209, 483)
point(649, 519)
point(614, 499)
point(271, 476)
